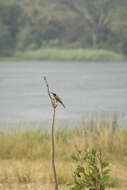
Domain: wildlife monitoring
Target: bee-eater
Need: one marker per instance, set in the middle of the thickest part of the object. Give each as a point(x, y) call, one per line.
point(58, 99)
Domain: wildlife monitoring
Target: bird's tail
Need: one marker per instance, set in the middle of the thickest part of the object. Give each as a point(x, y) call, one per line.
point(63, 105)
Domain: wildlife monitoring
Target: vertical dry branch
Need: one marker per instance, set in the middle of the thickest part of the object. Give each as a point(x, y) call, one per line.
point(52, 135)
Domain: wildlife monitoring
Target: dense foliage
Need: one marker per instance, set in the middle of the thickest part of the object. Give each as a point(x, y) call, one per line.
point(92, 172)
point(62, 23)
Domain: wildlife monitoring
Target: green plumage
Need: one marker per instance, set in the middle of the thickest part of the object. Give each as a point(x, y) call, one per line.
point(58, 99)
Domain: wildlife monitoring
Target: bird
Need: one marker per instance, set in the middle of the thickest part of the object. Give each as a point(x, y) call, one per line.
point(58, 99)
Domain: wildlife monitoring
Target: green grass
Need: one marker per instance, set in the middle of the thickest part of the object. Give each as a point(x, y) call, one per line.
point(67, 55)
point(73, 55)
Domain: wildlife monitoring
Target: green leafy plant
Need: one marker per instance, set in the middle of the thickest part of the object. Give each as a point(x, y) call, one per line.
point(92, 172)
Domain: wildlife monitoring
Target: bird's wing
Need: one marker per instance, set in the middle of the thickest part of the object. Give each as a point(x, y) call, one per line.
point(60, 101)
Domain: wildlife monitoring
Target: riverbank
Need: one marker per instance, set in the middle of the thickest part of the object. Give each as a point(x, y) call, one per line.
point(67, 55)
point(25, 155)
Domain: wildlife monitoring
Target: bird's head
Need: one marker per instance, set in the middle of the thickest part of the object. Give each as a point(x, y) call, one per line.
point(53, 94)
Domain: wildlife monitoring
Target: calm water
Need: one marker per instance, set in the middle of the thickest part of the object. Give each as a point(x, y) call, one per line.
point(85, 88)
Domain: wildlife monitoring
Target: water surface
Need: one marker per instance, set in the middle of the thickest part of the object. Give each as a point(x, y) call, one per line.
point(85, 88)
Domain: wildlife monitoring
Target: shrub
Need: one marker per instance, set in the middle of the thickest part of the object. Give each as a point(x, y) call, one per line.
point(91, 172)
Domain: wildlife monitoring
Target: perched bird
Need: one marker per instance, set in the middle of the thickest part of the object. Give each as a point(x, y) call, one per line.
point(58, 99)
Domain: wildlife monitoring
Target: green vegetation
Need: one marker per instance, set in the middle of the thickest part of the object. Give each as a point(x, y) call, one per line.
point(100, 27)
point(73, 55)
point(92, 171)
point(25, 155)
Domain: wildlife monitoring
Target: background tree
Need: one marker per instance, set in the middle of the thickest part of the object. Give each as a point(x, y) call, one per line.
point(26, 25)
point(11, 21)
point(96, 15)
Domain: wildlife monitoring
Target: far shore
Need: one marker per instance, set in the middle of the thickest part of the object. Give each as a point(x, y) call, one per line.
point(55, 54)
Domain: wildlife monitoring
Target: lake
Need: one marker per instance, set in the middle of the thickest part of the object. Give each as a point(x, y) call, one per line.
point(85, 88)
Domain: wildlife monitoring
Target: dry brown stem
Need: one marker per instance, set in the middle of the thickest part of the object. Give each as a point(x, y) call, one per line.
point(54, 105)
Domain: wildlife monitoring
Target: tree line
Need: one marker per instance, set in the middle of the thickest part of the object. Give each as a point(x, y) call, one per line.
point(26, 25)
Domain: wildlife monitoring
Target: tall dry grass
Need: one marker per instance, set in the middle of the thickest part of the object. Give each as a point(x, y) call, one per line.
point(25, 155)
point(99, 133)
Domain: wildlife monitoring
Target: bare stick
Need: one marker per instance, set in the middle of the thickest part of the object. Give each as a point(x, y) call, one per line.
point(54, 105)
